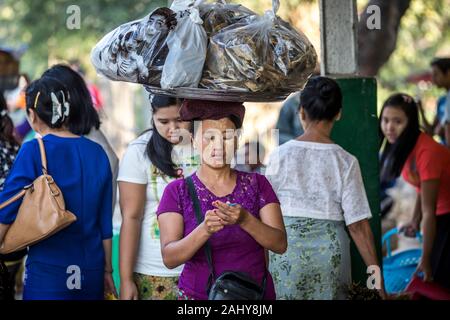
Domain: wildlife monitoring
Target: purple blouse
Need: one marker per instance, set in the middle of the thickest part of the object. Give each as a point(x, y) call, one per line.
point(233, 249)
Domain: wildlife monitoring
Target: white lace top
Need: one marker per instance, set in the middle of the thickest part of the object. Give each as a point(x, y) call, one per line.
point(317, 180)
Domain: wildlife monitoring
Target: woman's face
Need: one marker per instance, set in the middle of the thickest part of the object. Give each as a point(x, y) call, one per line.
point(169, 125)
point(217, 142)
point(393, 123)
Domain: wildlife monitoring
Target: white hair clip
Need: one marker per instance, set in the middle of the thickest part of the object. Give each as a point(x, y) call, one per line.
point(59, 111)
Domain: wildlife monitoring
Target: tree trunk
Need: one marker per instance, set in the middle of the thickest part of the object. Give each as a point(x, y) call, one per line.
point(376, 46)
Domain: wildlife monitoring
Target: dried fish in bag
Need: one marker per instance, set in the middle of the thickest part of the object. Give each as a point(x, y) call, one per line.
point(264, 53)
point(136, 51)
point(220, 14)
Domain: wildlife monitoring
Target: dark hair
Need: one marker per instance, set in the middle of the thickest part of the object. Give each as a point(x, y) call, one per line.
point(39, 98)
point(83, 116)
point(442, 64)
point(6, 124)
point(159, 149)
point(321, 98)
point(395, 155)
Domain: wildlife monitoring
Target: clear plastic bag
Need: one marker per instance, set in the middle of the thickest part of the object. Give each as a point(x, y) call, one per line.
point(263, 53)
point(136, 51)
point(187, 51)
point(220, 14)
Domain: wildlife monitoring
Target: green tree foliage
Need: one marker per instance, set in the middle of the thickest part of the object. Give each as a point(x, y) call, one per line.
point(42, 25)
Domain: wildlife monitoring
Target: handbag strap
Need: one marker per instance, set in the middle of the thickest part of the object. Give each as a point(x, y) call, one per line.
point(199, 217)
point(43, 155)
point(13, 198)
point(22, 193)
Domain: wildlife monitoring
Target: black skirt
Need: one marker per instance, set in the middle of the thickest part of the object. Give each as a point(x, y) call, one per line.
point(440, 256)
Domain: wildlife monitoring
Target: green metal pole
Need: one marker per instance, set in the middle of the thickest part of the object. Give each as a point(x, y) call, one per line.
point(357, 132)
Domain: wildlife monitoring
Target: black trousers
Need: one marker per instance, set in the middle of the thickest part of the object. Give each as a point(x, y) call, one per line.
point(440, 256)
point(9, 282)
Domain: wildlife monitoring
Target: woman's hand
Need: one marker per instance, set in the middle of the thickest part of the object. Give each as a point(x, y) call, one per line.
point(230, 214)
point(110, 288)
point(128, 290)
point(382, 291)
point(212, 222)
point(411, 228)
point(425, 267)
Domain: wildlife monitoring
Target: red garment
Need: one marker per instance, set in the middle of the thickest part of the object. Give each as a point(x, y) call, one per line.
point(96, 97)
point(430, 160)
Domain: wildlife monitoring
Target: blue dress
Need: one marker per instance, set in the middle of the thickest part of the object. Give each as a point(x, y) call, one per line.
point(69, 264)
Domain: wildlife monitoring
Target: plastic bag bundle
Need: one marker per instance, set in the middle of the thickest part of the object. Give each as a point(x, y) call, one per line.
point(220, 14)
point(261, 54)
point(187, 50)
point(136, 51)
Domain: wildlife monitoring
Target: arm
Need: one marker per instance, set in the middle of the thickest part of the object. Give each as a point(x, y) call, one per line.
point(413, 226)
point(109, 282)
point(106, 230)
point(269, 232)
point(177, 250)
point(132, 202)
point(3, 229)
point(447, 134)
point(362, 235)
point(429, 194)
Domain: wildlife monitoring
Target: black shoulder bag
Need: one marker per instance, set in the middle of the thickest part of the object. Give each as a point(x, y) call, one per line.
point(230, 285)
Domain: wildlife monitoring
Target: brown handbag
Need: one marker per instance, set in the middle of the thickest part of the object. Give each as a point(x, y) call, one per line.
point(41, 214)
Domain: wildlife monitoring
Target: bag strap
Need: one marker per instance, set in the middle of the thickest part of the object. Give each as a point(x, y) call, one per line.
point(22, 193)
point(199, 217)
point(14, 198)
point(43, 155)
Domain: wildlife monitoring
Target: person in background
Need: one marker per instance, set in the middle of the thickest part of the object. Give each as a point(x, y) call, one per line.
point(425, 164)
point(16, 106)
point(288, 123)
point(94, 91)
point(440, 71)
point(151, 162)
point(253, 157)
point(242, 217)
point(82, 171)
point(8, 152)
point(84, 119)
point(321, 192)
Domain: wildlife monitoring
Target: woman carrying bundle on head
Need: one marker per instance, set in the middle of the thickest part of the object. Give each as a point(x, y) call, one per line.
point(219, 219)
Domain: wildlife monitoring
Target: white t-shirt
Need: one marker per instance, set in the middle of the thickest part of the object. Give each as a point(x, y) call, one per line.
point(136, 167)
point(318, 180)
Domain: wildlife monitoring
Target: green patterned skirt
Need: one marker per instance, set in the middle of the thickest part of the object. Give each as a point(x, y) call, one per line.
point(316, 265)
point(156, 288)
